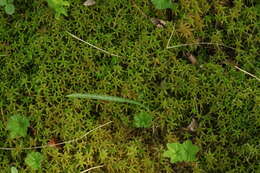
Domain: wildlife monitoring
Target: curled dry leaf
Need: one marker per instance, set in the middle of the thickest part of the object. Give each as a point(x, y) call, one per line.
point(53, 143)
point(158, 22)
point(192, 58)
point(31, 130)
point(88, 3)
point(193, 125)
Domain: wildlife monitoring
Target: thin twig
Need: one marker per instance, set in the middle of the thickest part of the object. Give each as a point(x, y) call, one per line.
point(92, 168)
point(3, 55)
point(61, 143)
point(167, 46)
point(201, 43)
point(247, 73)
point(191, 44)
point(102, 50)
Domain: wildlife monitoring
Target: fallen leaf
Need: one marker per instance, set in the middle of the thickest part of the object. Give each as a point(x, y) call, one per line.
point(53, 143)
point(31, 131)
point(193, 125)
point(89, 3)
point(192, 58)
point(158, 22)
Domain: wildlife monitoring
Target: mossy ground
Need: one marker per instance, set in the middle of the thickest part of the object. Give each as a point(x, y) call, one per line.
point(44, 64)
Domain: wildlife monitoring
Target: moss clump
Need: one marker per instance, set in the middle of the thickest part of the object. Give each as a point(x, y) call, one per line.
point(44, 64)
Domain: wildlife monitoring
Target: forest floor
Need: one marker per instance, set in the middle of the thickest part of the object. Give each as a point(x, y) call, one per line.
point(41, 63)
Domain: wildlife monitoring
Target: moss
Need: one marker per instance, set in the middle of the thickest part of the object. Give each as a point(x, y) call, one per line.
point(44, 64)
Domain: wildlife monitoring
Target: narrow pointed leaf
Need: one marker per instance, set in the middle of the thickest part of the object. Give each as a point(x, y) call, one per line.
point(106, 98)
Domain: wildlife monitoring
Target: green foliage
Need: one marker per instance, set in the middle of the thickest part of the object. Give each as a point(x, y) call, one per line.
point(14, 170)
point(34, 160)
point(185, 152)
point(44, 63)
point(162, 4)
point(8, 6)
point(143, 120)
point(106, 98)
point(17, 125)
point(59, 7)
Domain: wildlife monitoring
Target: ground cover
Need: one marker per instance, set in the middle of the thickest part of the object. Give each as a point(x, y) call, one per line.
point(43, 64)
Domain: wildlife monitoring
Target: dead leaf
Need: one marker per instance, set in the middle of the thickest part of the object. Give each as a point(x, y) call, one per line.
point(192, 58)
point(158, 22)
point(31, 131)
point(89, 3)
point(193, 125)
point(53, 143)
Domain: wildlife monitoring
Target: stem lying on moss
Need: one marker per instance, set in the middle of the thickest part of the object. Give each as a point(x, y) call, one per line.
point(57, 144)
point(247, 73)
point(191, 44)
point(102, 50)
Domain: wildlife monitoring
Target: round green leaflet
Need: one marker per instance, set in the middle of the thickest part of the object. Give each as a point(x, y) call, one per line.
point(10, 9)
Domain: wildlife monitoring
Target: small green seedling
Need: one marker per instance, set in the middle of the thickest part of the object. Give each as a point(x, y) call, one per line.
point(8, 5)
point(185, 152)
point(34, 160)
point(143, 120)
point(59, 7)
point(18, 125)
point(162, 4)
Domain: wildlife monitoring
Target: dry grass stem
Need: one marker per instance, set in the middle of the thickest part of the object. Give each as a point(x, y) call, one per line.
point(61, 143)
point(92, 168)
point(192, 44)
point(247, 73)
point(102, 50)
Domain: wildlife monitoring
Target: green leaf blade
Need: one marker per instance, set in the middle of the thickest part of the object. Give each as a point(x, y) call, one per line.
point(162, 4)
point(10, 9)
point(34, 160)
point(3, 2)
point(18, 125)
point(58, 7)
point(14, 170)
point(185, 152)
point(106, 98)
point(143, 120)
point(191, 150)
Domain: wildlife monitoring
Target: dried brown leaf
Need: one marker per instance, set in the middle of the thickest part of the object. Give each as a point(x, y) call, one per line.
point(193, 125)
point(192, 59)
point(53, 143)
point(158, 22)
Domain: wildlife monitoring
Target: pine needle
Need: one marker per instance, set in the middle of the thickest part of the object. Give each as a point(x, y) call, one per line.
point(102, 50)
